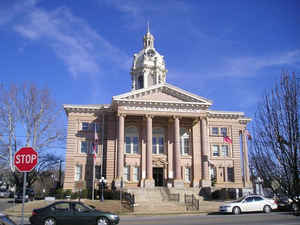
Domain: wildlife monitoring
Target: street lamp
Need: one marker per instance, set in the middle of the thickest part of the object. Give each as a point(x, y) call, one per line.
point(102, 185)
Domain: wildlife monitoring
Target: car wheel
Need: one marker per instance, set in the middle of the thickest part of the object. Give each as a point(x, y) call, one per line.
point(236, 210)
point(49, 221)
point(267, 209)
point(102, 221)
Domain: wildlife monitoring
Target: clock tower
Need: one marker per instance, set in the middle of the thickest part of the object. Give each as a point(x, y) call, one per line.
point(148, 67)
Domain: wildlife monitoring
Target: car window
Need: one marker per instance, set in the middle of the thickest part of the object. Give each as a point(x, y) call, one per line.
point(249, 199)
point(257, 199)
point(81, 208)
point(61, 206)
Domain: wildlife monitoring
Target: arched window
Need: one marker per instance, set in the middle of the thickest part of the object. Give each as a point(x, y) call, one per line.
point(131, 140)
point(140, 82)
point(184, 141)
point(158, 141)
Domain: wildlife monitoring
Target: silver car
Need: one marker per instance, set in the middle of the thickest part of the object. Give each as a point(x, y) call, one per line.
point(250, 203)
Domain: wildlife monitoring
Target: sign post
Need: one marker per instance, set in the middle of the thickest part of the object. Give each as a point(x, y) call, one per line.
point(25, 160)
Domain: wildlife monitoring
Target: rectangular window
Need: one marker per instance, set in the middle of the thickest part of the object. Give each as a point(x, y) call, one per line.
point(128, 145)
point(215, 149)
point(84, 146)
point(154, 145)
point(186, 146)
point(224, 131)
point(85, 126)
point(136, 173)
point(161, 145)
point(225, 151)
point(78, 172)
point(215, 131)
point(97, 127)
point(135, 145)
point(230, 172)
point(126, 173)
point(187, 175)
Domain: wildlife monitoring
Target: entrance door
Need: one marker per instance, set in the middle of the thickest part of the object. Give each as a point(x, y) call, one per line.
point(158, 176)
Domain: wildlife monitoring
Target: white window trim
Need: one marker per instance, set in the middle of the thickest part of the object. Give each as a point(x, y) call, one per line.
point(182, 144)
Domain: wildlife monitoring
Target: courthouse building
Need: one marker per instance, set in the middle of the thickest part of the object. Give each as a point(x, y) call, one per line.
point(156, 134)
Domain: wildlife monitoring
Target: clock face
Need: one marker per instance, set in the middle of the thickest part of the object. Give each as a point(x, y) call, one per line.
point(150, 53)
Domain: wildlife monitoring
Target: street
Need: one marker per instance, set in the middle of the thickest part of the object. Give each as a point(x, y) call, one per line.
point(275, 218)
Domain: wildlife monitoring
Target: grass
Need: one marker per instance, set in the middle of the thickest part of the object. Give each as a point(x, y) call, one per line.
point(106, 205)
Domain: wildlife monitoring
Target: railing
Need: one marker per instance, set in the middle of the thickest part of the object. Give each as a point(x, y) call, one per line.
point(129, 200)
point(174, 197)
point(191, 202)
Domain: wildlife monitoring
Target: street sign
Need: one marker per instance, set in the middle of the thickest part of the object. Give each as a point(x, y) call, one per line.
point(25, 159)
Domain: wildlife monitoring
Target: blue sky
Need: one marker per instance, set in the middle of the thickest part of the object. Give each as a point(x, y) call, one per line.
point(226, 51)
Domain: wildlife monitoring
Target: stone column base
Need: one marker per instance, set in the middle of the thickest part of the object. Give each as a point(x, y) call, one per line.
point(118, 182)
point(149, 183)
point(205, 183)
point(178, 183)
point(196, 183)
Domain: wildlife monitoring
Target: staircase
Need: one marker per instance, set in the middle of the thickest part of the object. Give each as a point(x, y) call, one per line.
point(155, 200)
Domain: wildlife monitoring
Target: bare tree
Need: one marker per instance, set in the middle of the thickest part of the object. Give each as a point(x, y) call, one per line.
point(275, 155)
point(29, 117)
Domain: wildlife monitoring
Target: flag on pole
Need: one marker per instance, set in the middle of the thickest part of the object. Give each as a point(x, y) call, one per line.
point(227, 139)
point(248, 135)
point(95, 142)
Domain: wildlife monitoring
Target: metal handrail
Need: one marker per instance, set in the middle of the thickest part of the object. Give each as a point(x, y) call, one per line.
point(191, 202)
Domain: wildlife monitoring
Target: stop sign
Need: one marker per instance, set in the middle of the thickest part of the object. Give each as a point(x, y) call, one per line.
point(25, 159)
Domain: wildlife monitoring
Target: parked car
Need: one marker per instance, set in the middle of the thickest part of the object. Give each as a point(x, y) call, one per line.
point(4, 194)
point(29, 195)
point(284, 203)
point(250, 203)
point(71, 213)
point(5, 220)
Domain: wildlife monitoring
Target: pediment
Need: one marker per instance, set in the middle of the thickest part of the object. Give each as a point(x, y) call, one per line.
point(165, 93)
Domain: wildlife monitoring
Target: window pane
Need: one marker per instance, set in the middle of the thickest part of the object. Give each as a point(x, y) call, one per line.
point(225, 151)
point(215, 150)
point(78, 172)
point(230, 172)
point(135, 145)
point(136, 173)
point(154, 145)
point(186, 146)
point(215, 131)
point(84, 147)
point(187, 174)
point(161, 145)
point(85, 126)
point(128, 144)
point(126, 173)
point(224, 131)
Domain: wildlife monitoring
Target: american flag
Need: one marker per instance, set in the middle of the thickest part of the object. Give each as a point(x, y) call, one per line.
point(95, 142)
point(248, 135)
point(227, 139)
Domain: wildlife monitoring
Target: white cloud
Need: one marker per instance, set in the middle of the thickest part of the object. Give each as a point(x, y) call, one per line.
point(248, 66)
point(82, 49)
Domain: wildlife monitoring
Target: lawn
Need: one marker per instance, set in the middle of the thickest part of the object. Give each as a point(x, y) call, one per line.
point(106, 205)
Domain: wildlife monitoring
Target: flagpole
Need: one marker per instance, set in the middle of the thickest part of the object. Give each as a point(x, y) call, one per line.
point(94, 161)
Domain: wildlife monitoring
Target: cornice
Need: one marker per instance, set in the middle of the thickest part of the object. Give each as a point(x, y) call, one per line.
point(85, 108)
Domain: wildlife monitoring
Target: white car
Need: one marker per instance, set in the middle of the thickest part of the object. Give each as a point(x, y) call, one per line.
point(4, 194)
point(249, 203)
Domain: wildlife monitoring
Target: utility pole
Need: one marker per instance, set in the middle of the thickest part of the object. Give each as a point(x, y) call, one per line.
point(59, 176)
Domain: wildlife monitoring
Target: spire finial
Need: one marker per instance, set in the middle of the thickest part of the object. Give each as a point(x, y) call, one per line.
point(148, 27)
